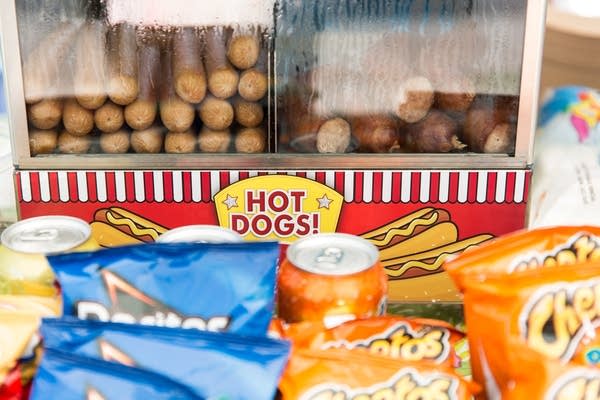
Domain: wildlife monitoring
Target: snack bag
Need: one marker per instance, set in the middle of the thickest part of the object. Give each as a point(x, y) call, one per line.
point(19, 340)
point(524, 250)
point(343, 374)
point(215, 287)
point(553, 311)
point(541, 378)
point(408, 339)
point(71, 377)
point(199, 360)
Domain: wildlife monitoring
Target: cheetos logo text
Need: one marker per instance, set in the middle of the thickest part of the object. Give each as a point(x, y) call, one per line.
point(407, 384)
point(580, 248)
point(556, 317)
point(402, 342)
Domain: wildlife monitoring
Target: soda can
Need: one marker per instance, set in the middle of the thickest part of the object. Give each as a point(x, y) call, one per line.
point(331, 278)
point(200, 234)
point(23, 265)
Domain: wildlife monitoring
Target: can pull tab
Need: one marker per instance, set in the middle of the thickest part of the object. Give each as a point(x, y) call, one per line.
point(330, 257)
point(42, 235)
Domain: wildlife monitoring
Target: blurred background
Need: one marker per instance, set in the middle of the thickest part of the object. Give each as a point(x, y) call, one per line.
point(571, 57)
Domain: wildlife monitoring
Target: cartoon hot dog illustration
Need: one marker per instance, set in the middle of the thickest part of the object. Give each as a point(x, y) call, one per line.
point(416, 246)
point(116, 226)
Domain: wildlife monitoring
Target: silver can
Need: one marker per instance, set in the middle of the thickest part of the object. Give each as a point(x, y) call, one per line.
point(48, 235)
point(200, 234)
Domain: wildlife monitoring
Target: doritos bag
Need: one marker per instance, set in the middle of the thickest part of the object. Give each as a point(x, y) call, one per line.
point(402, 338)
point(215, 287)
point(71, 377)
point(554, 311)
point(343, 374)
point(19, 340)
point(213, 365)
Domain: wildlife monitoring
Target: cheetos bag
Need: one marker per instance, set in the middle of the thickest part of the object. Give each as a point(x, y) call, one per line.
point(343, 374)
point(408, 339)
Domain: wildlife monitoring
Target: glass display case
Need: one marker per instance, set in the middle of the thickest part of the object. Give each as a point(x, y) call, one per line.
point(407, 122)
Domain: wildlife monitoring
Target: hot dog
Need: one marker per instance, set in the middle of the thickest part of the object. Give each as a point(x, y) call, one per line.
point(223, 79)
point(116, 226)
point(123, 65)
point(189, 76)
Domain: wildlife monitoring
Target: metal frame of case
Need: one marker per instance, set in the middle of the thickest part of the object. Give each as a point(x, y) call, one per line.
point(531, 69)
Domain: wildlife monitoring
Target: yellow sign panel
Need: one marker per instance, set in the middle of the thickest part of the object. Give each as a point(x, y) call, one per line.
point(278, 207)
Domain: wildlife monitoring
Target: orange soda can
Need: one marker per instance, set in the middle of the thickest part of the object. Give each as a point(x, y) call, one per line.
point(331, 278)
point(25, 244)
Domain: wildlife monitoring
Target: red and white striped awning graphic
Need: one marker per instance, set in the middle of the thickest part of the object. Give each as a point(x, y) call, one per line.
point(498, 186)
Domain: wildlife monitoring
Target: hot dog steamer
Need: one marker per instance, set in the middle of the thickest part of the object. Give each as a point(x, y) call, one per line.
point(408, 122)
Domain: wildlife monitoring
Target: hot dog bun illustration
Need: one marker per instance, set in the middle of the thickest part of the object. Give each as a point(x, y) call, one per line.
point(116, 226)
point(412, 250)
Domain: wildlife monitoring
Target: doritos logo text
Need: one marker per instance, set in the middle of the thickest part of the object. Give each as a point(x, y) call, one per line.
point(130, 305)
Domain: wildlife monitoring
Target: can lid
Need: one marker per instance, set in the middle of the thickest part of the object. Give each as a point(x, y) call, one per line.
point(200, 234)
point(333, 254)
point(46, 235)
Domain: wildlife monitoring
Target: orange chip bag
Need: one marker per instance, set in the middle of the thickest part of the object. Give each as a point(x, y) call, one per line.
point(409, 339)
point(541, 378)
point(555, 312)
point(346, 375)
point(524, 250)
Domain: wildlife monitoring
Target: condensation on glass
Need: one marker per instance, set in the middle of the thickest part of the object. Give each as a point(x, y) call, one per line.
point(399, 76)
point(145, 76)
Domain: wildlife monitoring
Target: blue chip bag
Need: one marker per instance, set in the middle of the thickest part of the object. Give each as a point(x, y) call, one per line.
point(215, 287)
point(72, 377)
point(213, 365)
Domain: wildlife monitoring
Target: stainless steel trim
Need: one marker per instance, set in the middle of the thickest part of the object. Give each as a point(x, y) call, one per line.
point(15, 95)
point(273, 161)
point(530, 78)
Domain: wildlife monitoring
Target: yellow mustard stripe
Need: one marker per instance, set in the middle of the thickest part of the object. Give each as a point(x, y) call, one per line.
point(452, 248)
point(140, 220)
point(397, 223)
point(404, 231)
point(134, 229)
point(418, 264)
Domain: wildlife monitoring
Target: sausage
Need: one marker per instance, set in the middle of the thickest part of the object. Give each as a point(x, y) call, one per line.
point(109, 117)
point(436, 133)
point(141, 114)
point(123, 84)
point(457, 95)
point(45, 114)
point(334, 136)
point(414, 99)
point(42, 141)
point(488, 130)
point(180, 142)
point(243, 49)
point(223, 79)
point(147, 141)
point(77, 120)
point(176, 115)
point(376, 134)
point(188, 71)
point(210, 141)
point(71, 144)
point(251, 140)
point(116, 142)
point(90, 68)
point(42, 66)
point(216, 114)
point(248, 114)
